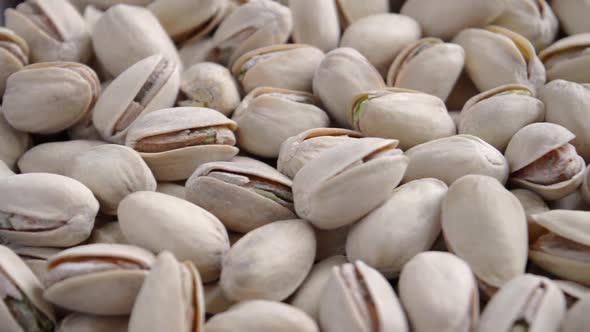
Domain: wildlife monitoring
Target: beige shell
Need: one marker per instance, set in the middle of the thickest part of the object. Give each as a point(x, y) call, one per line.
point(573, 291)
point(171, 188)
point(348, 181)
point(53, 157)
point(319, 27)
point(352, 10)
point(36, 259)
point(183, 18)
point(196, 51)
point(77, 322)
point(108, 232)
point(572, 15)
point(267, 117)
point(484, 224)
point(215, 301)
point(13, 143)
point(161, 222)
point(5, 170)
point(532, 204)
point(568, 58)
point(14, 55)
point(577, 318)
point(585, 188)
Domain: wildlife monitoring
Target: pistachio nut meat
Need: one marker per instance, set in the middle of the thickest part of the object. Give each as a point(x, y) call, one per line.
point(351, 11)
point(61, 95)
point(13, 143)
point(36, 259)
point(348, 181)
point(532, 204)
point(78, 322)
point(53, 29)
point(183, 18)
point(175, 141)
point(440, 286)
point(576, 318)
point(412, 117)
point(243, 194)
point(497, 114)
point(428, 65)
point(22, 307)
point(53, 157)
point(358, 298)
point(527, 302)
point(99, 279)
point(319, 27)
point(14, 55)
point(286, 66)
point(568, 58)
point(572, 15)
point(267, 117)
point(542, 159)
point(170, 299)
point(45, 210)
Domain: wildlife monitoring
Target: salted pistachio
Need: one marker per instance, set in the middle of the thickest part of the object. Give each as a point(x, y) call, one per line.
point(441, 287)
point(267, 117)
point(14, 55)
point(5, 171)
point(175, 141)
point(526, 303)
point(342, 74)
point(450, 158)
point(497, 114)
point(36, 259)
point(348, 181)
point(170, 299)
point(215, 301)
point(532, 203)
point(330, 242)
point(445, 19)
point(244, 195)
point(286, 66)
point(485, 224)
point(410, 116)
point(351, 11)
point(127, 34)
point(572, 15)
point(261, 316)
point(568, 58)
point(53, 29)
point(358, 298)
point(53, 157)
point(296, 151)
point(319, 27)
point(77, 322)
point(573, 291)
point(171, 188)
point(41, 209)
point(107, 232)
point(22, 307)
point(412, 67)
point(542, 159)
point(13, 143)
point(110, 274)
point(270, 262)
point(496, 56)
point(62, 94)
point(207, 84)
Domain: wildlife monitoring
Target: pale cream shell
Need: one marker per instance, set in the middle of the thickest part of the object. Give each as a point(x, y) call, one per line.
point(572, 69)
point(319, 27)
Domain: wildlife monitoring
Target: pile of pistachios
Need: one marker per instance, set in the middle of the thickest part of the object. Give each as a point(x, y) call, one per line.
point(295, 166)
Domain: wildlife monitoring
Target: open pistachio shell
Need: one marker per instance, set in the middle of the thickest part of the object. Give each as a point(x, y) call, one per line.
point(568, 59)
point(184, 18)
point(53, 157)
point(351, 10)
point(13, 143)
point(532, 203)
point(36, 259)
point(319, 27)
point(14, 55)
point(572, 15)
point(77, 322)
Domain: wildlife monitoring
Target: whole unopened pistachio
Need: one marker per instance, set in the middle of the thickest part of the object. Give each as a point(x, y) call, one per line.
point(568, 58)
point(358, 298)
point(42, 210)
point(572, 15)
point(409, 116)
point(183, 18)
point(53, 29)
point(532, 203)
point(348, 181)
point(53, 157)
point(440, 286)
point(528, 302)
point(428, 65)
point(577, 318)
point(64, 93)
point(266, 117)
point(99, 279)
point(161, 222)
point(497, 114)
point(319, 27)
point(352, 11)
point(13, 143)
point(22, 307)
point(542, 160)
point(78, 322)
point(14, 55)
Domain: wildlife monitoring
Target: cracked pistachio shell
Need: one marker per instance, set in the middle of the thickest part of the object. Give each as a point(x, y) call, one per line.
point(36, 259)
point(60, 210)
point(243, 194)
point(170, 299)
point(78, 322)
point(14, 55)
point(434, 15)
point(496, 56)
point(215, 301)
point(352, 11)
point(319, 27)
point(262, 316)
point(440, 286)
point(286, 66)
point(211, 85)
point(112, 172)
point(148, 85)
point(46, 98)
point(5, 171)
point(270, 262)
point(577, 318)
point(343, 74)
point(485, 224)
point(428, 65)
point(309, 295)
point(497, 114)
point(410, 116)
point(380, 38)
point(568, 59)
point(171, 188)
point(161, 222)
point(450, 158)
point(127, 34)
point(158, 137)
point(348, 181)
point(331, 242)
point(358, 298)
point(527, 302)
point(267, 117)
point(13, 143)
point(539, 142)
point(297, 150)
point(53, 157)
point(532, 203)
point(108, 232)
point(407, 224)
point(573, 15)
point(183, 18)
point(53, 29)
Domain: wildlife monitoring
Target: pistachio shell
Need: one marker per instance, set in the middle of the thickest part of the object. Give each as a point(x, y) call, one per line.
point(573, 291)
point(109, 232)
point(215, 301)
point(573, 201)
point(319, 27)
point(577, 318)
point(36, 259)
point(53, 157)
point(88, 323)
point(532, 203)
point(4, 170)
point(180, 18)
point(14, 55)
point(196, 51)
point(352, 11)
point(171, 188)
point(572, 15)
point(13, 143)
point(567, 59)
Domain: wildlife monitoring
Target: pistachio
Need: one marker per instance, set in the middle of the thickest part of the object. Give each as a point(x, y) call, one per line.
point(319, 27)
point(107, 232)
point(184, 18)
point(14, 55)
point(576, 318)
point(566, 59)
point(36, 259)
point(572, 15)
point(13, 143)
point(89, 323)
point(53, 157)
point(351, 10)
point(4, 170)
point(171, 188)
point(532, 204)
point(573, 291)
